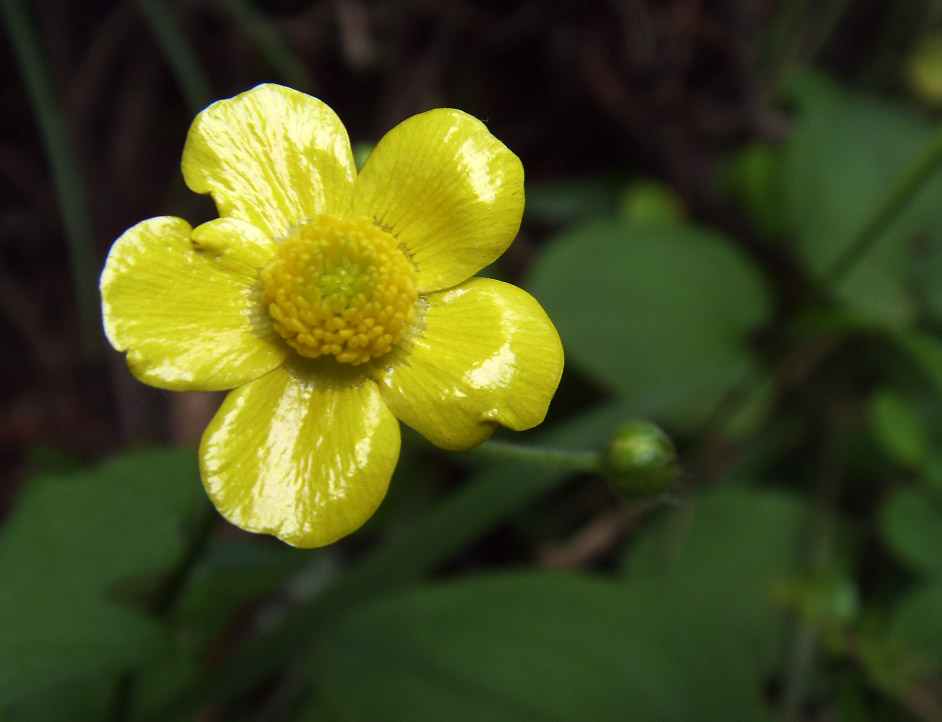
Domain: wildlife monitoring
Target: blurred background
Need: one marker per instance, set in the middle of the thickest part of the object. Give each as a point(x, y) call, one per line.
point(733, 217)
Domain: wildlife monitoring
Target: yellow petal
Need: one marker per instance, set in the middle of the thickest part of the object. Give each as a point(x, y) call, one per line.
point(302, 457)
point(185, 304)
point(448, 189)
point(488, 355)
point(272, 156)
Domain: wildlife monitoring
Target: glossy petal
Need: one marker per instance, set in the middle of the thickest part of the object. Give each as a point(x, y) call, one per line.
point(488, 354)
point(448, 189)
point(185, 304)
point(299, 455)
point(271, 156)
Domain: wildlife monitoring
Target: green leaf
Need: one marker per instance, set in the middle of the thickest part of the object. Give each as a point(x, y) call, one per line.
point(900, 429)
point(932, 475)
point(656, 312)
point(723, 554)
point(69, 547)
point(924, 350)
point(853, 703)
point(534, 646)
point(911, 523)
point(846, 154)
point(230, 574)
point(93, 698)
point(86, 700)
point(917, 623)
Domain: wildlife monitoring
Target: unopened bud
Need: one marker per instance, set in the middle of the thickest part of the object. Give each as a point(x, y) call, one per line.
point(639, 461)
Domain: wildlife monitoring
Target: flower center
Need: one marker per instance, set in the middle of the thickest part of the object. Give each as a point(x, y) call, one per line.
point(340, 287)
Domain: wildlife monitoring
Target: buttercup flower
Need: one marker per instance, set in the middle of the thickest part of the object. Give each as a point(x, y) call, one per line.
point(332, 303)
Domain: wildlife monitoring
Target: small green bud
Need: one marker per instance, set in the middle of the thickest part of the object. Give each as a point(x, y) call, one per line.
point(639, 461)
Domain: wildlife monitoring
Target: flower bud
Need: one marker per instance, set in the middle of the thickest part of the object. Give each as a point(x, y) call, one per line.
point(639, 461)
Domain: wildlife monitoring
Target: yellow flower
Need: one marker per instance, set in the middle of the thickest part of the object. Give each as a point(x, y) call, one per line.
point(333, 303)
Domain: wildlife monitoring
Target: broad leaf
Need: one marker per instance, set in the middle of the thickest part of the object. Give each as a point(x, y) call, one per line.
point(911, 522)
point(845, 156)
point(898, 427)
point(68, 549)
point(535, 646)
point(659, 313)
point(917, 623)
point(724, 553)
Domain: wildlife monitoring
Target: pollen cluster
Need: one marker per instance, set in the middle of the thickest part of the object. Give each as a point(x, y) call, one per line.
point(340, 287)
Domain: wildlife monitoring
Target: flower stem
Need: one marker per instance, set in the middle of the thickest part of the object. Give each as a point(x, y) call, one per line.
point(589, 461)
point(206, 521)
point(806, 633)
point(868, 235)
point(559, 458)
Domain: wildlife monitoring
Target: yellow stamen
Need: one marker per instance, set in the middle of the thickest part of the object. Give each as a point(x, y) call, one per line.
point(340, 287)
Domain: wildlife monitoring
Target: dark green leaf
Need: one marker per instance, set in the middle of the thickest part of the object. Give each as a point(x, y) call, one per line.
point(658, 313)
point(917, 623)
point(925, 352)
point(230, 574)
point(69, 548)
point(536, 646)
point(911, 522)
point(723, 554)
point(845, 156)
point(898, 427)
point(87, 700)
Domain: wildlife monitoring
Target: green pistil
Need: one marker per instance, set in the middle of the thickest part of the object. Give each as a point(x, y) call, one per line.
point(339, 283)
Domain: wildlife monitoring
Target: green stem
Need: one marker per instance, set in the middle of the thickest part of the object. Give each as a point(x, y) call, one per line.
point(558, 458)
point(206, 521)
point(803, 647)
point(63, 162)
point(818, 553)
point(908, 186)
point(589, 461)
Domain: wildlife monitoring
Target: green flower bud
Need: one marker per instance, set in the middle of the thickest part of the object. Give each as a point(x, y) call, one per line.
point(639, 461)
